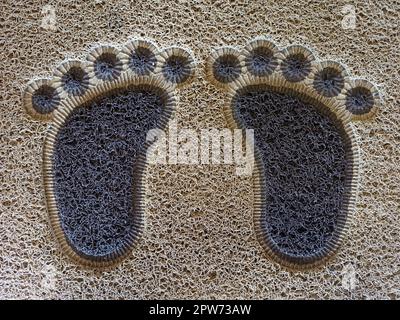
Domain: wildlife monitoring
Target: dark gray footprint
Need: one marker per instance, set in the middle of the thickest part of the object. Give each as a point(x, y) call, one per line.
point(95, 152)
point(306, 169)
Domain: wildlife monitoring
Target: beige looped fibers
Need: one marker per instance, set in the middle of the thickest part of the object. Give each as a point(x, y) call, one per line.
point(198, 244)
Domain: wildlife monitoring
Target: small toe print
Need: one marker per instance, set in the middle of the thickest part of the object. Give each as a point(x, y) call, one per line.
point(142, 61)
point(41, 99)
point(296, 64)
point(74, 81)
point(260, 58)
point(45, 99)
point(226, 68)
point(261, 62)
point(175, 69)
point(177, 66)
point(328, 82)
point(140, 56)
point(104, 63)
point(72, 78)
point(359, 101)
point(106, 66)
point(329, 79)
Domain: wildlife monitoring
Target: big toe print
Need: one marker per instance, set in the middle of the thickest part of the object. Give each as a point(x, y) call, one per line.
point(306, 175)
point(94, 154)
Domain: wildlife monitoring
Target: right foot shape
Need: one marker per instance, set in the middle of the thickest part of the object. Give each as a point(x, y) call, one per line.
point(95, 151)
point(306, 152)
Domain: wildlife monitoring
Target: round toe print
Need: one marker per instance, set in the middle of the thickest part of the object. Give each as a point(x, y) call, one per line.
point(261, 61)
point(226, 68)
point(329, 82)
point(359, 100)
point(95, 158)
point(75, 81)
point(305, 162)
point(107, 66)
point(45, 99)
point(176, 69)
point(142, 61)
point(296, 67)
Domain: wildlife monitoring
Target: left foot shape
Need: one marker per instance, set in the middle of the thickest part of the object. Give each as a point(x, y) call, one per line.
point(94, 154)
point(306, 151)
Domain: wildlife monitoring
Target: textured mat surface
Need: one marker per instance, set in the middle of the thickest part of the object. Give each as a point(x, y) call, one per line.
point(201, 243)
point(95, 154)
point(304, 162)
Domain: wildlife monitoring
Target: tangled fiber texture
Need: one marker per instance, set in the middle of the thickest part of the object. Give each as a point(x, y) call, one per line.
point(304, 162)
point(197, 244)
point(94, 158)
